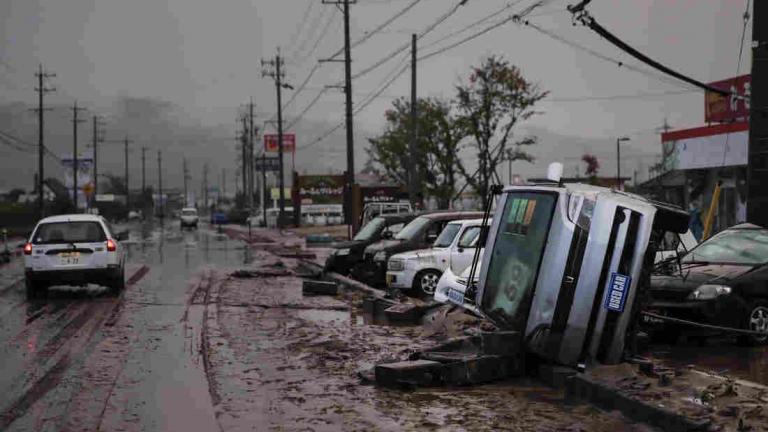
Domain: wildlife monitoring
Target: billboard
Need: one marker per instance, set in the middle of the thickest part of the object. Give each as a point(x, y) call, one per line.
point(706, 147)
point(266, 164)
point(722, 109)
point(270, 143)
point(320, 189)
point(84, 176)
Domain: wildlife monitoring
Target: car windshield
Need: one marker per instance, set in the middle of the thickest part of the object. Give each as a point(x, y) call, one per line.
point(413, 229)
point(69, 232)
point(370, 229)
point(446, 237)
point(735, 246)
point(189, 212)
point(514, 261)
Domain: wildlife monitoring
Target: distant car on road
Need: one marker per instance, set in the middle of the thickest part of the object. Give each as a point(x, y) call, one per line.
point(189, 217)
point(420, 233)
point(420, 270)
point(347, 254)
point(73, 250)
point(723, 281)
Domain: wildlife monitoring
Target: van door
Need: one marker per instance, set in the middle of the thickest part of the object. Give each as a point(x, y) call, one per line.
point(464, 252)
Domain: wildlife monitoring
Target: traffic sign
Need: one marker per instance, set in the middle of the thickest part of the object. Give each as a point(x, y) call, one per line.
point(267, 163)
point(289, 143)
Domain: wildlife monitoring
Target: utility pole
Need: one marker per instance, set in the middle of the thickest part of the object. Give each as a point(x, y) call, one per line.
point(205, 186)
point(160, 182)
point(75, 121)
point(41, 90)
point(244, 146)
point(250, 157)
point(757, 169)
point(143, 177)
point(278, 74)
point(413, 177)
point(186, 178)
point(264, 187)
point(618, 161)
point(96, 140)
point(223, 183)
point(349, 114)
point(127, 185)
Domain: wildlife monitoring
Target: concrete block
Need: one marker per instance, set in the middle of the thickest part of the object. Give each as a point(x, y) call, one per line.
point(503, 343)
point(315, 287)
point(408, 374)
point(554, 375)
point(477, 369)
point(376, 305)
point(404, 313)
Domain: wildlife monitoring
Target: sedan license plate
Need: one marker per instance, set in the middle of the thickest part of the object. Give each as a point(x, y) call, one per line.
point(69, 258)
point(456, 296)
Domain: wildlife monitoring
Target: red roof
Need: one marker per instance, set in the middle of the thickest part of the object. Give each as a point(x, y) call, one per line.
point(703, 131)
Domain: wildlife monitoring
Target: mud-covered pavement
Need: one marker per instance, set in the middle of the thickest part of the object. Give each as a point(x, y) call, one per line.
point(190, 347)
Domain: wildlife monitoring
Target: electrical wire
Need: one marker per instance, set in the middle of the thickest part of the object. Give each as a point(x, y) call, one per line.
point(306, 109)
point(467, 39)
point(379, 28)
point(592, 23)
point(312, 26)
point(322, 34)
point(299, 27)
point(405, 46)
point(620, 97)
point(482, 20)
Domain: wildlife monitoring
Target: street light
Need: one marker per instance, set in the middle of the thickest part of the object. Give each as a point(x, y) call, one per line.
point(618, 160)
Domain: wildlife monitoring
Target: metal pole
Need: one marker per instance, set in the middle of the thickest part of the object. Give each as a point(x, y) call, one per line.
point(618, 163)
point(757, 175)
point(281, 184)
point(74, 156)
point(95, 156)
point(264, 188)
point(127, 187)
point(413, 178)
point(160, 182)
point(349, 118)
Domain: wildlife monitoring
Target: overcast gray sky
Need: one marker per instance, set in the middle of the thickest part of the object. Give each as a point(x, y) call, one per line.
point(204, 57)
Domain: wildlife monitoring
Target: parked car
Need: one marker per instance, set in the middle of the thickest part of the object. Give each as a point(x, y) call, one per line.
point(420, 233)
point(347, 254)
point(372, 210)
point(73, 250)
point(420, 270)
point(723, 281)
point(189, 217)
point(674, 245)
point(452, 287)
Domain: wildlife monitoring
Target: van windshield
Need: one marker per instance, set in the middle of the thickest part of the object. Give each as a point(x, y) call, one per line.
point(446, 237)
point(370, 229)
point(69, 232)
point(516, 255)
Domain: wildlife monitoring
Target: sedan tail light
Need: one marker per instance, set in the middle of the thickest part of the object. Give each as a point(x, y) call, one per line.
point(111, 246)
point(28, 249)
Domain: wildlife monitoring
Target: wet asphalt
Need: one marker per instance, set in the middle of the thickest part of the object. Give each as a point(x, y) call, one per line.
point(189, 347)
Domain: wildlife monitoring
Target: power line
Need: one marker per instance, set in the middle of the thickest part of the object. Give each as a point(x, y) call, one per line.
point(486, 18)
point(307, 108)
point(313, 25)
point(300, 26)
point(467, 39)
point(591, 22)
point(407, 45)
point(379, 28)
point(620, 97)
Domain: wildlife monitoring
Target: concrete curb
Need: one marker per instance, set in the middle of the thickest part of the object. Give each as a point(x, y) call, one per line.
point(581, 387)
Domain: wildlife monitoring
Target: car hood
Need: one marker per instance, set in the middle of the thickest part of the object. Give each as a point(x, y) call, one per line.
point(350, 244)
point(694, 275)
point(418, 254)
point(391, 246)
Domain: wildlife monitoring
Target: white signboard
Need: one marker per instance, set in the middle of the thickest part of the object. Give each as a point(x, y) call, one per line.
point(696, 150)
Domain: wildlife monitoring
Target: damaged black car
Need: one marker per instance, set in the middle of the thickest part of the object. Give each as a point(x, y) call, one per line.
point(722, 282)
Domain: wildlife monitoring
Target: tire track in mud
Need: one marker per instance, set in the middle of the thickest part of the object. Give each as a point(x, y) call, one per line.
point(74, 337)
point(205, 346)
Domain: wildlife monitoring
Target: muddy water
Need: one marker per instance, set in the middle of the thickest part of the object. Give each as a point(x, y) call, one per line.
point(721, 356)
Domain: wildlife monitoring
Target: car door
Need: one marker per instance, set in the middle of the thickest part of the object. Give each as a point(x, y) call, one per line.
point(464, 251)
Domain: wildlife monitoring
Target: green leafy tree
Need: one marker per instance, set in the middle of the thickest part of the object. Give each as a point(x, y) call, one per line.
point(495, 100)
point(439, 135)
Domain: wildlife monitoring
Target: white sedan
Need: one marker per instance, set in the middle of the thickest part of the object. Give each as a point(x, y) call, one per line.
point(73, 249)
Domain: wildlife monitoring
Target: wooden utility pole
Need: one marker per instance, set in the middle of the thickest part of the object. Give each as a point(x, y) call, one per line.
point(96, 140)
point(757, 168)
point(75, 122)
point(143, 176)
point(41, 90)
point(276, 71)
point(186, 179)
point(160, 182)
point(413, 177)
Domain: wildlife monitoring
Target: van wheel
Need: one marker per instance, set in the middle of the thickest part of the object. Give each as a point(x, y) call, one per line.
point(755, 320)
point(425, 282)
point(34, 290)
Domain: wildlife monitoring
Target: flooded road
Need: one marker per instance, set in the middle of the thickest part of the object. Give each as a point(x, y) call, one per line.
point(188, 346)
